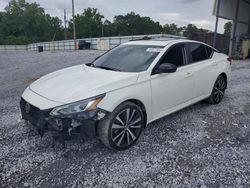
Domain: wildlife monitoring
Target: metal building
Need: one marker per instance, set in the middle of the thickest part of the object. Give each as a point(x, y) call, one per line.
point(238, 11)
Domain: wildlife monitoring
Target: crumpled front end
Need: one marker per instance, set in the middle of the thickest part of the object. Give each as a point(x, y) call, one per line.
point(84, 123)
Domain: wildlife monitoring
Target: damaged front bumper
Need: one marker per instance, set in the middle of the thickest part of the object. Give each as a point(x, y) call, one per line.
point(84, 123)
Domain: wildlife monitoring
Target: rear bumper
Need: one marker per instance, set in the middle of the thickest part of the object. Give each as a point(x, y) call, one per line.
point(60, 126)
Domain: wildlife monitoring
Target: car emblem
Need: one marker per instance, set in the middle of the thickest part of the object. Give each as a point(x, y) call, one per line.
point(27, 108)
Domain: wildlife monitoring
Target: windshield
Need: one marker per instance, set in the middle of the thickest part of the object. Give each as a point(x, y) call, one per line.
point(128, 58)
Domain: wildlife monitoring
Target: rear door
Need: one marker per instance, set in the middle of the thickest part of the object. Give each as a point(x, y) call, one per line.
point(204, 69)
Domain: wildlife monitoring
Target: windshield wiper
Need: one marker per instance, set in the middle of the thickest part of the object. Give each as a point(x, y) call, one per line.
point(89, 65)
point(108, 68)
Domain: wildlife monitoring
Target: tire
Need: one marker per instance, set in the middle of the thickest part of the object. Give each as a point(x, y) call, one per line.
point(218, 90)
point(121, 128)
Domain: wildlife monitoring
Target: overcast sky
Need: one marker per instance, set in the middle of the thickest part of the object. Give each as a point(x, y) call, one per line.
point(181, 12)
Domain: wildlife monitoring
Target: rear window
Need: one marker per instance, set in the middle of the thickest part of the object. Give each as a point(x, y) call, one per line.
point(198, 52)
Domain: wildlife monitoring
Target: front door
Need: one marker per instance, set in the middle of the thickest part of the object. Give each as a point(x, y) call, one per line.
point(172, 90)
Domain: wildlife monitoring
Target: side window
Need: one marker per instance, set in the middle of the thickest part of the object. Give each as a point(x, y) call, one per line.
point(175, 56)
point(198, 52)
point(210, 52)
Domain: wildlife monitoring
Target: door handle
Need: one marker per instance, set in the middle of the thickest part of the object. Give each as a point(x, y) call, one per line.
point(189, 75)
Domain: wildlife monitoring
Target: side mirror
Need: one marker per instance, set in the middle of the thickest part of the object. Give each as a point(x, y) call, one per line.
point(167, 68)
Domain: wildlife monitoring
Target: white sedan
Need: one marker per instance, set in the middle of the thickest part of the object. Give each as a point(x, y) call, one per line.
point(122, 91)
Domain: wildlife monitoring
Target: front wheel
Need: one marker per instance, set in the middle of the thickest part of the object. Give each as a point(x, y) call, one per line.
point(218, 90)
point(121, 129)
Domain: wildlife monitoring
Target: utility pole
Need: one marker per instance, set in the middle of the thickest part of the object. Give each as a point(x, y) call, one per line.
point(74, 26)
point(65, 24)
point(103, 25)
point(102, 29)
point(216, 23)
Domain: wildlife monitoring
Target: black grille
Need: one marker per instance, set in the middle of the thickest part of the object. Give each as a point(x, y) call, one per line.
point(34, 111)
point(34, 114)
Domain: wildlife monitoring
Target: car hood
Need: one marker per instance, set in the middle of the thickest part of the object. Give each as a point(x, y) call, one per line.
point(80, 82)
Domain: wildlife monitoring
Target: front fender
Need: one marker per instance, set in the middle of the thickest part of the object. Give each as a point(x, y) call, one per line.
point(140, 92)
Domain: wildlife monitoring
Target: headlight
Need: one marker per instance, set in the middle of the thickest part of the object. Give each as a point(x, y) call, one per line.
point(77, 107)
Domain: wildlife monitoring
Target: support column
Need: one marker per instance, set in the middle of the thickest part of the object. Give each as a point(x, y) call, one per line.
point(216, 24)
point(233, 39)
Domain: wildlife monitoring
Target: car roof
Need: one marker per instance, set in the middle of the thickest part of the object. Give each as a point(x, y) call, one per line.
point(160, 42)
point(149, 42)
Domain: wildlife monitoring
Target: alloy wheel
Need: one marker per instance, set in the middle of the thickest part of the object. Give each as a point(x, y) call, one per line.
point(126, 127)
point(219, 90)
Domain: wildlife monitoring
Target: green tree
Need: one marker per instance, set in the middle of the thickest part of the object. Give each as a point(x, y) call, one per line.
point(1, 26)
point(1, 16)
point(190, 28)
point(228, 28)
point(172, 29)
point(24, 22)
point(108, 28)
point(88, 24)
point(54, 28)
point(134, 24)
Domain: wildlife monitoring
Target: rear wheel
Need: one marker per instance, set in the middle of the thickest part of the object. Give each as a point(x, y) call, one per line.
point(121, 129)
point(218, 90)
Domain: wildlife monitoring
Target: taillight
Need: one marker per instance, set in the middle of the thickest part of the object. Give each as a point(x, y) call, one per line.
point(229, 60)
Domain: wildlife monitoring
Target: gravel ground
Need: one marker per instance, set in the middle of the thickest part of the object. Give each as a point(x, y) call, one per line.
point(200, 146)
